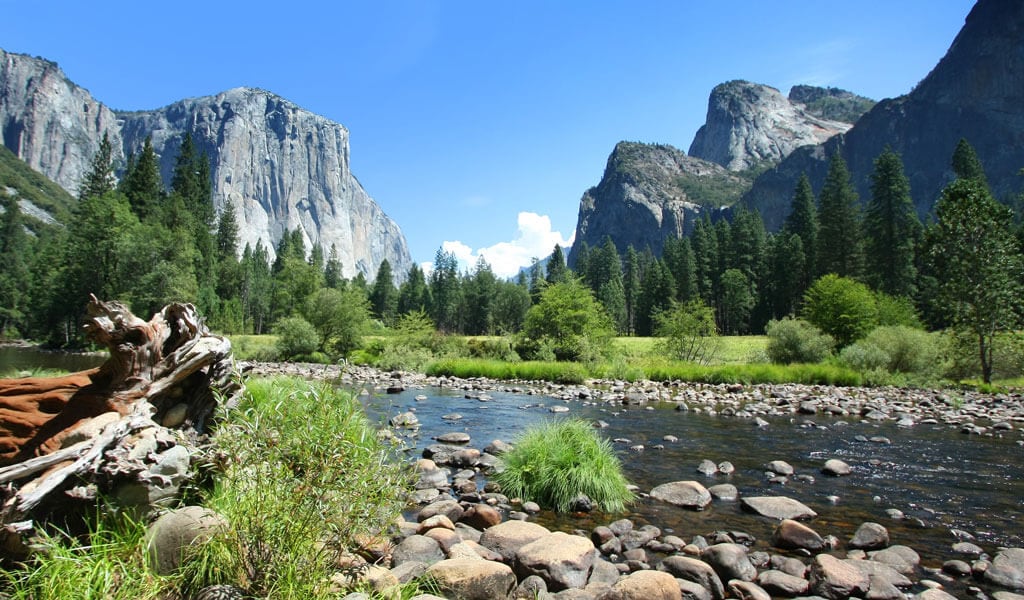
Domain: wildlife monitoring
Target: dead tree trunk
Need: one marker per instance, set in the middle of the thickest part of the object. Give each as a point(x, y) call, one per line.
point(105, 431)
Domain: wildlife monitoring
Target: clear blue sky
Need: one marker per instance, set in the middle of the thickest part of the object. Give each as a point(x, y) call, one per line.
point(465, 114)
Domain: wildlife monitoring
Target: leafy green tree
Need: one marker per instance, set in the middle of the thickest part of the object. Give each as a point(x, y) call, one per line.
point(840, 243)
point(689, 332)
point(803, 222)
point(340, 318)
point(100, 178)
point(295, 337)
point(972, 247)
point(841, 307)
point(163, 263)
point(891, 228)
point(569, 321)
point(511, 301)
point(384, 294)
point(557, 271)
point(737, 302)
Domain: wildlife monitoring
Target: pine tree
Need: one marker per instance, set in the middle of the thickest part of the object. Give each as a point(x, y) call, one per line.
point(678, 256)
point(891, 229)
point(657, 292)
point(557, 271)
point(332, 269)
point(786, 265)
point(227, 233)
point(445, 292)
point(631, 288)
point(705, 258)
point(384, 294)
point(478, 299)
point(803, 222)
point(413, 294)
point(100, 178)
point(967, 165)
point(142, 183)
point(15, 250)
point(840, 243)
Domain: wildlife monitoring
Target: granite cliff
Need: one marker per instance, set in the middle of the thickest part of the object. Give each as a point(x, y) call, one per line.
point(282, 167)
point(750, 125)
point(975, 92)
point(650, 192)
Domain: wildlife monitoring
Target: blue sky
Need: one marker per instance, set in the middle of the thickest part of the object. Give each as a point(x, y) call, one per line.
point(478, 125)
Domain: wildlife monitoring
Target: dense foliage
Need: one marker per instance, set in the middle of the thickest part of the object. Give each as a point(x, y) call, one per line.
point(843, 263)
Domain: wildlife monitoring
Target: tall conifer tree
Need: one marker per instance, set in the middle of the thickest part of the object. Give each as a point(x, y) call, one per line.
point(840, 243)
point(891, 229)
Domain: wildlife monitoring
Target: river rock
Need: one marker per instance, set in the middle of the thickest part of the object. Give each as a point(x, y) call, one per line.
point(724, 491)
point(901, 558)
point(417, 548)
point(707, 468)
point(697, 571)
point(956, 568)
point(435, 521)
point(778, 507)
point(455, 437)
point(562, 560)
point(726, 468)
point(406, 420)
point(933, 594)
point(780, 467)
point(409, 571)
point(870, 536)
point(169, 537)
point(747, 590)
point(648, 585)
point(468, 579)
point(1007, 569)
point(481, 516)
point(782, 584)
point(688, 494)
point(968, 549)
point(836, 468)
point(507, 538)
point(445, 538)
point(449, 508)
point(792, 535)
point(835, 579)
point(730, 561)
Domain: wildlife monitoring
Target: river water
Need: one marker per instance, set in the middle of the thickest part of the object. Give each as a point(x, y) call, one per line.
point(940, 479)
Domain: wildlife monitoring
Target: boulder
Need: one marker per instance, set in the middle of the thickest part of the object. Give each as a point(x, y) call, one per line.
point(779, 583)
point(835, 579)
point(778, 507)
point(563, 561)
point(726, 492)
point(448, 508)
point(169, 537)
point(836, 468)
point(730, 561)
point(648, 585)
point(793, 535)
point(419, 548)
point(507, 538)
point(870, 536)
point(481, 516)
point(780, 467)
point(688, 494)
point(1007, 569)
point(696, 571)
point(747, 590)
point(901, 558)
point(468, 579)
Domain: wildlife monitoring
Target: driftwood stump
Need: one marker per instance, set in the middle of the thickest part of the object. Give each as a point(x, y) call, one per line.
point(110, 431)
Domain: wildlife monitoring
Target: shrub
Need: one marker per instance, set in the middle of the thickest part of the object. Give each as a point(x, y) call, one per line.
point(689, 332)
point(498, 349)
point(797, 341)
point(569, 321)
point(306, 476)
point(841, 307)
point(896, 310)
point(295, 336)
point(553, 463)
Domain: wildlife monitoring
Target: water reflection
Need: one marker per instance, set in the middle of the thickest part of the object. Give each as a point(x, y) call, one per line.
point(939, 478)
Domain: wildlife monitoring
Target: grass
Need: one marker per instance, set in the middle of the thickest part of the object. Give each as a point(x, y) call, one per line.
point(253, 347)
point(732, 349)
point(553, 463)
point(560, 372)
point(300, 476)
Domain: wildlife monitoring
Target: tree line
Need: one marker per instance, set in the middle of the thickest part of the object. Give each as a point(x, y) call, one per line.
point(133, 240)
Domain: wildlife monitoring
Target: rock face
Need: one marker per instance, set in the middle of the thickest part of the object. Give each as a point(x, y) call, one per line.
point(650, 192)
point(975, 92)
point(280, 166)
point(750, 124)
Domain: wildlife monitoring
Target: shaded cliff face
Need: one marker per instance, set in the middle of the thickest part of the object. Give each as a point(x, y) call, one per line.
point(975, 92)
point(750, 124)
point(281, 167)
point(650, 192)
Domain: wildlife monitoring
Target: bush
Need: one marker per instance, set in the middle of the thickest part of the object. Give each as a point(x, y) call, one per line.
point(689, 332)
point(554, 463)
point(498, 349)
point(569, 321)
point(306, 477)
point(295, 336)
point(841, 307)
point(897, 310)
point(797, 341)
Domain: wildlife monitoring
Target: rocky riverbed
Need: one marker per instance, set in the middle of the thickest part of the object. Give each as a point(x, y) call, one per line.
point(476, 543)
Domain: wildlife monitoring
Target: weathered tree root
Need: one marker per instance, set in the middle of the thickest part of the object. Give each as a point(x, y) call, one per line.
point(121, 431)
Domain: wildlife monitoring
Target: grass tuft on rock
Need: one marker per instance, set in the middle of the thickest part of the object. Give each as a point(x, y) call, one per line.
point(553, 463)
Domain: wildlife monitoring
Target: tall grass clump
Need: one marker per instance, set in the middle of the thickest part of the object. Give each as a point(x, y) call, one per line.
point(555, 462)
point(465, 368)
point(107, 562)
point(305, 477)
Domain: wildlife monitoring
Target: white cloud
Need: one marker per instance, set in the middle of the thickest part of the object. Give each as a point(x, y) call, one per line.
point(534, 239)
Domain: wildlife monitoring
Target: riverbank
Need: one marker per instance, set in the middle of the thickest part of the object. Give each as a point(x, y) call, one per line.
point(752, 556)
